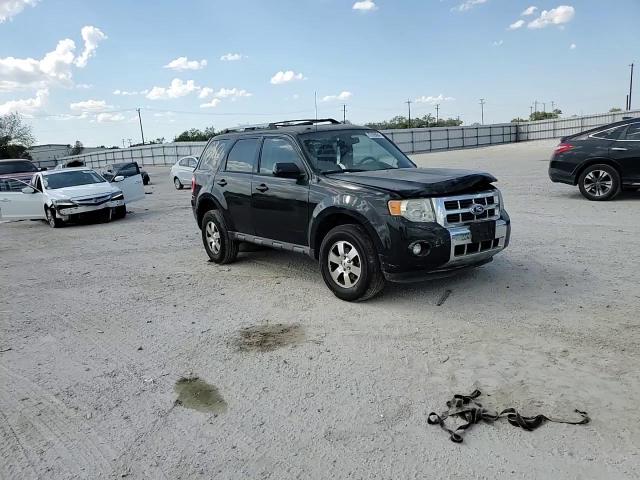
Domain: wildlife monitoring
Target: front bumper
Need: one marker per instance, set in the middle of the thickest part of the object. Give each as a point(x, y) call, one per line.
point(65, 212)
point(454, 251)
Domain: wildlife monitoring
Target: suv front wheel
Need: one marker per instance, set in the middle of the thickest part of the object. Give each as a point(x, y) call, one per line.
point(219, 245)
point(349, 263)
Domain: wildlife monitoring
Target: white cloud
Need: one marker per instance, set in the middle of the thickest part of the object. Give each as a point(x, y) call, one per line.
point(231, 57)
point(91, 106)
point(341, 96)
point(26, 106)
point(11, 8)
point(177, 89)
point(556, 16)
point(516, 25)
point(285, 77)
point(573, 46)
point(212, 104)
point(365, 6)
point(84, 86)
point(92, 36)
point(183, 63)
point(205, 92)
point(529, 11)
point(433, 100)
point(468, 5)
point(498, 43)
point(126, 93)
point(232, 93)
point(55, 67)
point(110, 117)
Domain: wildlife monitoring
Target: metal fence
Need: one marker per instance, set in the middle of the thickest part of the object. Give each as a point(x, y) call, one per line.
point(414, 140)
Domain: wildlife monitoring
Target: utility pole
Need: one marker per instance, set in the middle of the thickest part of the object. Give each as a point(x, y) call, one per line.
point(482, 102)
point(130, 142)
point(630, 87)
point(140, 119)
point(344, 113)
point(544, 107)
point(535, 102)
point(123, 145)
point(437, 113)
point(553, 106)
point(408, 102)
point(530, 111)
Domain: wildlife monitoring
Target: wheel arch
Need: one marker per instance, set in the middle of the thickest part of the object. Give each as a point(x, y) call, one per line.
point(595, 161)
point(333, 217)
point(205, 203)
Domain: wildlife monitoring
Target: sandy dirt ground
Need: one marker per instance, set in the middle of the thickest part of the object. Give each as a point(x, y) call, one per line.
point(104, 328)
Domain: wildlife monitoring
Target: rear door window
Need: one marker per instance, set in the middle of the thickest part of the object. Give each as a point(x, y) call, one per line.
point(633, 132)
point(610, 134)
point(242, 156)
point(211, 157)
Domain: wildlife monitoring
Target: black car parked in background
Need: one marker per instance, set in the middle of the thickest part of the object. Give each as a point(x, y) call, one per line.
point(601, 161)
point(347, 197)
point(127, 169)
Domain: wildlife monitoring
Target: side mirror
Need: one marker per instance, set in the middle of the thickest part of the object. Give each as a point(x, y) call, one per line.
point(287, 170)
point(28, 190)
point(118, 178)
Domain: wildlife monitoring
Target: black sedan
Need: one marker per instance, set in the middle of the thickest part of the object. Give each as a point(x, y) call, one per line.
point(127, 170)
point(602, 161)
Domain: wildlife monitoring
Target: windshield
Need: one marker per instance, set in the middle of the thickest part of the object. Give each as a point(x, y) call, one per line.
point(71, 179)
point(352, 151)
point(18, 166)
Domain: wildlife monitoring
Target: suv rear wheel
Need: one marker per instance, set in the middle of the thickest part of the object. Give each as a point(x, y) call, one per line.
point(349, 264)
point(219, 245)
point(599, 182)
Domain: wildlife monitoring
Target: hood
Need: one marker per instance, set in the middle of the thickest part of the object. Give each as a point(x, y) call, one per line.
point(417, 182)
point(81, 191)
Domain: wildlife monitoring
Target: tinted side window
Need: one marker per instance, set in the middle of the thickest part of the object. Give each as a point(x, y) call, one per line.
point(277, 150)
point(633, 132)
point(211, 157)
point(242, 156)
point(129, 170)
point(612, 134)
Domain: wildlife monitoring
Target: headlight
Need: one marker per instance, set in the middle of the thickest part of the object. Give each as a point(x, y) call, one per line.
point(117, 196)
point(419, 210)
point(63, 204)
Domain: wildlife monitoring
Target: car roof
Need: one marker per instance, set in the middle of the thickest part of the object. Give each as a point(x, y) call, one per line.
point(72, 169)
point(7, 160)
point(289, 129)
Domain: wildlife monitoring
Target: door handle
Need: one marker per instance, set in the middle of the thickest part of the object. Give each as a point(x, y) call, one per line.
point(222, 182)
point(262, 188)
point(619, 149)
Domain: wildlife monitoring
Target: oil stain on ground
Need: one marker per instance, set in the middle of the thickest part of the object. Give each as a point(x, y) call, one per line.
point(265, 338)
point(196, 394)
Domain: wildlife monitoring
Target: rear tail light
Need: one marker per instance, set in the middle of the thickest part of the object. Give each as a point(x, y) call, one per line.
point(563, 147)
point(193, 184)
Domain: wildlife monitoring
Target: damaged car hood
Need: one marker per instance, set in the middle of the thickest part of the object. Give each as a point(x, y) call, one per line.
point(416, 182)
point(80, 191)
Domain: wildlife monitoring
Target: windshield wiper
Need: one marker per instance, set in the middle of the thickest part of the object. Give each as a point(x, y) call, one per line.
point(346, 170)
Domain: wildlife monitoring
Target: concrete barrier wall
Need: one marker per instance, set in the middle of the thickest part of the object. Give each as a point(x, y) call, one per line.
point(412, 140)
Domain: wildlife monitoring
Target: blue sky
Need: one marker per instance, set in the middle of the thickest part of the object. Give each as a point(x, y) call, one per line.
point(370, 55)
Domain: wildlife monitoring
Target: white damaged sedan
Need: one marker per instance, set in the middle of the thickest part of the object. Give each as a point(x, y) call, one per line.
point(69, 194)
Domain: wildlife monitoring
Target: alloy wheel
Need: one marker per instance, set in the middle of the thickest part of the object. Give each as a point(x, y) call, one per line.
point(345, 265)
point(213, 237)
point(598, 183)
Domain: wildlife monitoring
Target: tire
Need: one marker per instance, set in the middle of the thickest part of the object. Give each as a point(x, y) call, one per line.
point(105, 215)
point(177, 184)
point(599, 182)
point(146, 180)
point(351, 277)
point(120, 212)
point(52, 218)
point(226, 249)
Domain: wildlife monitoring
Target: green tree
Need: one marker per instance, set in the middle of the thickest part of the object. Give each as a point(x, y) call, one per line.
point(615, 110)
point(518, 120)
point(425, 121)
point(196, 135)
point(15, 136)
point(77, 148)
point(545, 115)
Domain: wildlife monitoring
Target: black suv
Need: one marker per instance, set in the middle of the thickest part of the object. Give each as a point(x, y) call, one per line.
point(348, 197)
point(601, 161)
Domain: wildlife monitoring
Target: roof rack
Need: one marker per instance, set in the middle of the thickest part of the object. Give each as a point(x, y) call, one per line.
point(304, 121)
point(247, 128)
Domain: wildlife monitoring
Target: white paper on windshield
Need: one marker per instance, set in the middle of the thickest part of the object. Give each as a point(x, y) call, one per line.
point(374, 135)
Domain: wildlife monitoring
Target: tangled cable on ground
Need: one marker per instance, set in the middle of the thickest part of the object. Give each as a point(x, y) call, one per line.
point(472, 412)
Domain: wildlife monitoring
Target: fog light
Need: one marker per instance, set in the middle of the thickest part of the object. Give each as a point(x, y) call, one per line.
point(416, 249)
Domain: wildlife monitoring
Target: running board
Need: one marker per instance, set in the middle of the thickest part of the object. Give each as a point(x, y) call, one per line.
point(267, 242)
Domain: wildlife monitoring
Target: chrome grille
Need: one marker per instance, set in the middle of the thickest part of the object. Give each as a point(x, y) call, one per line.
point(93, 200)
point(464, 209)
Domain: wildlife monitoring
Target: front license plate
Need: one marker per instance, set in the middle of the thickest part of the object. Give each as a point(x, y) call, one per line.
point(482, 231)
